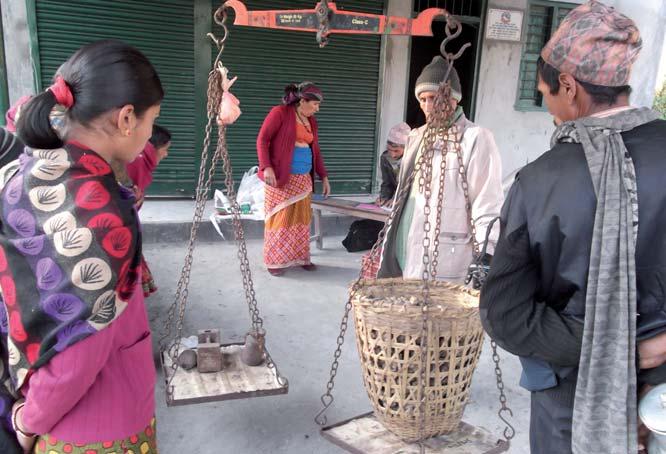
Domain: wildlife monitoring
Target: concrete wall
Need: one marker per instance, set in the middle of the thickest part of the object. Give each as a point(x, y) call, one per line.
point(661, 75)
point(396, 77)
point(650, 15)
point(523, 136)
point(20, 76)
point(520, 136)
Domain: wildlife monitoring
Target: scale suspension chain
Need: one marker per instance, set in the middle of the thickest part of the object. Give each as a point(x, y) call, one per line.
point(441, 126)
point(176, 313)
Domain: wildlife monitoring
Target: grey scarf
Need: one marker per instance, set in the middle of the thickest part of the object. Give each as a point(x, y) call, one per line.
point(604, 417)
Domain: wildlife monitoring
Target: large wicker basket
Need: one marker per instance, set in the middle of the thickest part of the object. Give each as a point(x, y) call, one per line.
point(389, 323)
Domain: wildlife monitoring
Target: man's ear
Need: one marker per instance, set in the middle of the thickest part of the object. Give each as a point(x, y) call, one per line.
point(568, 84)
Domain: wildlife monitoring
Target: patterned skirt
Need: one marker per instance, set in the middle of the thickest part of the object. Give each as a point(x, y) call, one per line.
point(287, 225)
point(370, 265)
point(145, 442)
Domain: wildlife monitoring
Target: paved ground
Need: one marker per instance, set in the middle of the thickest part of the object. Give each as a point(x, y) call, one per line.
point(302, 313)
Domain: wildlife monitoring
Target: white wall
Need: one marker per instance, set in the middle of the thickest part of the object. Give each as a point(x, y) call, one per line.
point(650, 16)
point(523, 136)
point(661, 75)
point(20, 79)
point(396, 77)
point(520, 136)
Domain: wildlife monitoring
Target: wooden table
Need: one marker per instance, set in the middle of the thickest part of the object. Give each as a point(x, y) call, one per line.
point(343, 206)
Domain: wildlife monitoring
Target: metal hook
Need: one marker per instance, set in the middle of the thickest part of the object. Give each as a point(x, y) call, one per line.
point(321, 419)
point(456, 26)
point(218, 42)
point(220, 16)
point(509, 431)
point(324, 15)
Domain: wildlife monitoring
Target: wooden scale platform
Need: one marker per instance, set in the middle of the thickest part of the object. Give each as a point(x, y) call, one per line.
point(234, 381)
point(364, 434)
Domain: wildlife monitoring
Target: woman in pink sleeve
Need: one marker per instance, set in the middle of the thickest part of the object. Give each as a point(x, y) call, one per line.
point(140, 172)
point(75, 340)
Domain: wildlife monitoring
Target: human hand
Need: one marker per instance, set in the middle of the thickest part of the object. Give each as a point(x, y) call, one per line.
point(25, 439)
point(326, 187)
point(379, 202)
point(652, 352)
point(643, 431)
point(269, 177)
point(139, 196)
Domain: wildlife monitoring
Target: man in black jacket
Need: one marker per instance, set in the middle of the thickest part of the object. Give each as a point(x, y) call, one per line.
point(577, 283)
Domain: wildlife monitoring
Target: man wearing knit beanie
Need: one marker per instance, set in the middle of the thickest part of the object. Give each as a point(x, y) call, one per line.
point(433, 74)
point(576, 284)
point(403, 248)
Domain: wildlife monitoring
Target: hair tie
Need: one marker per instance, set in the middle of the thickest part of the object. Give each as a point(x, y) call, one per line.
point(62, 93)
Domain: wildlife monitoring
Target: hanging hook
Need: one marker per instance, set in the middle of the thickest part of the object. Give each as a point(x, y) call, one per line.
point(220, 17)
point(453, 30)
point(326, 400)
point(509, 431)
point(324, 15)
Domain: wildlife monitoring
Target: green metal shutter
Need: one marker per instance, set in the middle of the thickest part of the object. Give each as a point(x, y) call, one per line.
point(164, 31)
point(543, 19)
point(347, 70)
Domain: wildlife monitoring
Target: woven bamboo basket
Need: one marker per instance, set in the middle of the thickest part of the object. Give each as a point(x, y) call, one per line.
point(389, 325)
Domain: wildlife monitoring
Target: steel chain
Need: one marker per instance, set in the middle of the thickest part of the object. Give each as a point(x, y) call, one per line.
point(441, 126)
point(327, 398)
point(323, 12)
point(246, 272)
point(509, 431)
point(204, 185)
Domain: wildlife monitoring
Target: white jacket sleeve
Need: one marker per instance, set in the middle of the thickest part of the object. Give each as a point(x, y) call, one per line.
point(484, 177)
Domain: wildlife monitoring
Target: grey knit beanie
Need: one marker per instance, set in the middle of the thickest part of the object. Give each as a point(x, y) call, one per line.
point(433, 75)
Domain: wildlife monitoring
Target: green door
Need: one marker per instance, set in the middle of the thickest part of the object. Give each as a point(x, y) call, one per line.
point(172, 34)
point(164, 31)
point(347, 70)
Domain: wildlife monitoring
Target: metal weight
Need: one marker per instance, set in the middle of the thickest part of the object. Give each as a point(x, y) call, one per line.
point(209, 351)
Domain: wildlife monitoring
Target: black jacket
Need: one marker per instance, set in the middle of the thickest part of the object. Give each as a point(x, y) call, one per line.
point(389, 178)
point(533, 303)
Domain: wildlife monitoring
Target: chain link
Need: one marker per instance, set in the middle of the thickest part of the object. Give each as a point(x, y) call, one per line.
point(204, 185)
point(509, 431)
point(327, 398)
point(324, 13)
point(440, 127)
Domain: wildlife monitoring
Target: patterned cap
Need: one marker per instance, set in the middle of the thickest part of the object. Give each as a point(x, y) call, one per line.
point(398, 134)
point(595, 44)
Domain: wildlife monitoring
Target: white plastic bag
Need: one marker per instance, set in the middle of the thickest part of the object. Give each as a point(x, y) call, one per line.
point(222, 202)
point(251, 190)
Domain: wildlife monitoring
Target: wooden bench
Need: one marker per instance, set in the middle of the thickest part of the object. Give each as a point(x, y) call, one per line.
point(343, 206)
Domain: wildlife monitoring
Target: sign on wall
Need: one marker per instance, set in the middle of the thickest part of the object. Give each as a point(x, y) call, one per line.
point(504, 25)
